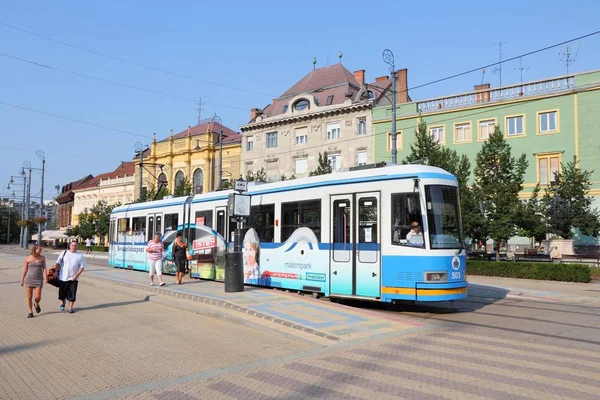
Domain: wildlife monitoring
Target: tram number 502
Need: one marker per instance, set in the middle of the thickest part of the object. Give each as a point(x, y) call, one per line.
point(456, 275)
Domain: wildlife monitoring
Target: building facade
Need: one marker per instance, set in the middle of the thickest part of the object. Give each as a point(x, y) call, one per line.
point(193, 155)
point(116, 187)
point(550, 120)
point(329, 110)
point(66, 201)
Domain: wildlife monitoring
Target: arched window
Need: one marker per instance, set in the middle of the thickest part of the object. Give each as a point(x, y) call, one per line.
point(301, 104)
point(198, 181)
point(179, 178)
point(162, 180)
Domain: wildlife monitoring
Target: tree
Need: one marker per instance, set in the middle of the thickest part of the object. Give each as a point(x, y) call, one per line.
point(324, 166)
point(100, 215)
point(498, 181)
point(182, 188)
point(151, 194)
point(85, 228)
point(9, 214)
point(226, 185)
point(567, 205)
point(532, 220)
point(285, 178)
point(258, 176)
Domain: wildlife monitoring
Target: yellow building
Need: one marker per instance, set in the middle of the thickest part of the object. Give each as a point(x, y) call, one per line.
point(192, 154)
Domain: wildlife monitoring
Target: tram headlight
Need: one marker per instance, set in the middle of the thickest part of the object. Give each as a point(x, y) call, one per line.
point(436, 277)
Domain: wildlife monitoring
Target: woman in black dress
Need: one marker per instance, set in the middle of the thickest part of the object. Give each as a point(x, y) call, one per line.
point(179, 251)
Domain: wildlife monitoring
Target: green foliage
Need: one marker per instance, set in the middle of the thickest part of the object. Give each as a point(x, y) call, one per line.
point(566, 204)
point(323, 168)
point(9, 214)
point(499, 179)
point(151, 194)
point(284, 178)
point(95, 222)
point(531, 218)
point(258, 176)
point(225, 185)
point(531, 270)
point(182, 188)
point(100, 248)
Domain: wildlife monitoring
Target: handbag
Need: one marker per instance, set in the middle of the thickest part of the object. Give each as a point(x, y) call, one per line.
point(188, 254)
point(52, 274)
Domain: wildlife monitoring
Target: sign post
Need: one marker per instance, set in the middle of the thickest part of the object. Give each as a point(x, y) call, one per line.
point(239, 205)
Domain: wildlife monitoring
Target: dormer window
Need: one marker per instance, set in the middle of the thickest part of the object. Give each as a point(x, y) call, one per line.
point(285, 108)
point(329, 100)
point(301, 104)
point(370, 94)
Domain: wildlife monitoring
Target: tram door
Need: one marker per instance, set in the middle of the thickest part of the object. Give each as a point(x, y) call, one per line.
point(355, 254)
point(154, 225)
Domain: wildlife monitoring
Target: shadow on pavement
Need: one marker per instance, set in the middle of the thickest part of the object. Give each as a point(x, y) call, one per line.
point(108, 305)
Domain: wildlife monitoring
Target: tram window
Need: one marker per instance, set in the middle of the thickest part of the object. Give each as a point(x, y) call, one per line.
point(221, 222)
point(150, 228)
point(367, 220)
point(406, 213)
point(158, 224)
point(123, 225)
point(138, 225)
point(111, 231)
point(301, 214)
point(263, 221)
point(204, 218)
point(342, 242)
point(171, 222)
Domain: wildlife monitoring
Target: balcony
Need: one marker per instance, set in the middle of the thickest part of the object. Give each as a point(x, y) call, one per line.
point(528, 89)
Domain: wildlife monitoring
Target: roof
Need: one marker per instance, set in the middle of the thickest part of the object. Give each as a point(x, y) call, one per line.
point(127, 168)
point(67, 190)
point(205, 127)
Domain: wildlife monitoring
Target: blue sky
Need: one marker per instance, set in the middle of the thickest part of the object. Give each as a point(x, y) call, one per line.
point(260, 48)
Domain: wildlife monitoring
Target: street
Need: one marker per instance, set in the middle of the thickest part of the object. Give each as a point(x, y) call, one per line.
point(123, 344)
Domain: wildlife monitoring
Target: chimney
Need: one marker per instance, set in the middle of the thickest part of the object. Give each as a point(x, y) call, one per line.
point(255, 112)
point(482, 96)
point(381, 79)
point(360, 76)
point(402, 86)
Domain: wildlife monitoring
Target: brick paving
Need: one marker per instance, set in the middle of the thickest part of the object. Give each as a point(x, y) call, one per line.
point(123, 346)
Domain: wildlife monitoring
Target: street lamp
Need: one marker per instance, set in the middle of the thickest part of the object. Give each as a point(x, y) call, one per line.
point(27, 166)
point(388, 58)
point(220, 176)
point(41, 155)
point(139, 148)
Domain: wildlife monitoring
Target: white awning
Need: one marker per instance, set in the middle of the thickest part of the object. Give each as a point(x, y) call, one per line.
point(50, 235)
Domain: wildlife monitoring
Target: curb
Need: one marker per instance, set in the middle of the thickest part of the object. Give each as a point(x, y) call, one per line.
point(214, 302)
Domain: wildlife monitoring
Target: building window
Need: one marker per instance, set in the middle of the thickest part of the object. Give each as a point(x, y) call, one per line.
point(548, 167)
point(162, 180)
point(285, 108)
point(271, 140)
point(362, 126)
point(198, 181)
point(462, 132)
point(301, 104)
point(329, 100)
point(301, 166)
point(302, 135)
point(486, 128)
point(250, 143)
point(249, 167)
point(333, 130)
point(548, 122)
point(179, 178)
point(514, 126)
point(335, 160)
point(362, 157)
point(437, 133)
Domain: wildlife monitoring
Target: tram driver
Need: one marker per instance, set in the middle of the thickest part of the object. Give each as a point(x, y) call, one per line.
point(415, 236)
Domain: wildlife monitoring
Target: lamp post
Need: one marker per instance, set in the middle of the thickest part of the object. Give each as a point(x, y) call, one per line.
point(220, 171)
point(24, 184)
point(140, 149)
point(27, 166)
point(388, 58)
point(41, 155)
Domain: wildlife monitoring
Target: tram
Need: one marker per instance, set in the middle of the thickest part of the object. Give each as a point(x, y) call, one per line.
point(392, 233)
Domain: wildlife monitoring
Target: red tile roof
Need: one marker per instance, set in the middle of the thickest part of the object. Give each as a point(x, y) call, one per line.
point(127, 168)
point(67, 190)
point(203, 128)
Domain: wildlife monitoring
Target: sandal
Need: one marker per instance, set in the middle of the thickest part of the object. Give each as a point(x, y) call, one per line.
point(163, 284)
point(38, 309)
point(30, 315)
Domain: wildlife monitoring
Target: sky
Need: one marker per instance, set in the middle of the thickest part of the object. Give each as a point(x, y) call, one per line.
point(56, 95)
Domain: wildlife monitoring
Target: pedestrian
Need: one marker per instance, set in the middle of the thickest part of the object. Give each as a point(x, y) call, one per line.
point(155, 251)
point(72, 264)
point(88, 245)
point(179, 251)
point(33, 277)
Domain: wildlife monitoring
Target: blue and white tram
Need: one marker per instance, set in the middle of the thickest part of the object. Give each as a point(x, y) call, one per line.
point(389, 234)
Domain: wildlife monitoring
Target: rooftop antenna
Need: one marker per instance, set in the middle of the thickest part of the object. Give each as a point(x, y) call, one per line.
point(340, 55)
point(498, 69)
point(521, 68)
point(568, 57)
point(199, 110)
point(314, 63)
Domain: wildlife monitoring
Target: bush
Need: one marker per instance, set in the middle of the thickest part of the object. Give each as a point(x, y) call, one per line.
point(100, 248)
point(531, 270)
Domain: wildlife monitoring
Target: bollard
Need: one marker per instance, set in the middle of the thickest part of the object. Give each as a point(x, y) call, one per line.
point(234, 272)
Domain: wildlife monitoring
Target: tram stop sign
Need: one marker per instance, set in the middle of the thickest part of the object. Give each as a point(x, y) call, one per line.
point(239, 205)
point(241, 185)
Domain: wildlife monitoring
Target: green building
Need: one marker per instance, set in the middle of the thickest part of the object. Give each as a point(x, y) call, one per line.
point(550, 121)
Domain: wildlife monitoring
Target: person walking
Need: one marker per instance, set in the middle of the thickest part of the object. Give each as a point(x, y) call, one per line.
point(155, 251)
point(88, 245)
point(72, 263)
point(33, 277)
point(179, 251)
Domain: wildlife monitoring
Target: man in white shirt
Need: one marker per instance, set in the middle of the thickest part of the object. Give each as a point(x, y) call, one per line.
point(71, 264)
point(88, 245)
point(415, 237)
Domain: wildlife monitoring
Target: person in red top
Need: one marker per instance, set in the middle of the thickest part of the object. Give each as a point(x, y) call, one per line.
point(155, 250)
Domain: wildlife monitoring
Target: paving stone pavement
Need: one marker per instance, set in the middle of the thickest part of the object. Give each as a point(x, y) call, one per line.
point(122, 346)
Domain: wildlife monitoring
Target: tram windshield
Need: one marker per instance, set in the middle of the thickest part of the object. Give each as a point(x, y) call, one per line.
point(443, 217)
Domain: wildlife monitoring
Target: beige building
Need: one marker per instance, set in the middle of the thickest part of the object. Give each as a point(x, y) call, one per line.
point(113, 187)
point(192, 155)
point(329, 110)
